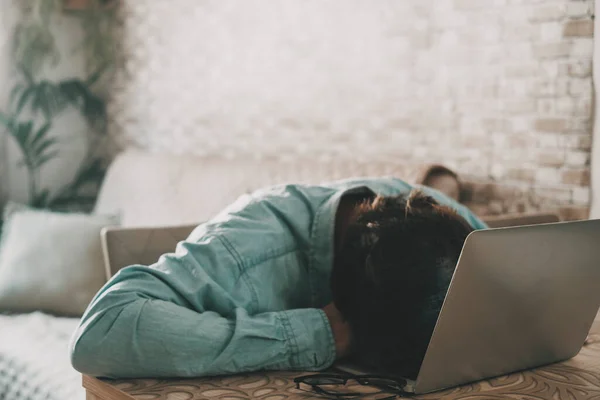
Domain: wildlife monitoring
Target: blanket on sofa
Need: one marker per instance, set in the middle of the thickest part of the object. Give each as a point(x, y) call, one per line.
point(34, 358)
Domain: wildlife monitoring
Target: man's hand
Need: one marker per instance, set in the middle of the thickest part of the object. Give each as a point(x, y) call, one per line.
point(341, 330)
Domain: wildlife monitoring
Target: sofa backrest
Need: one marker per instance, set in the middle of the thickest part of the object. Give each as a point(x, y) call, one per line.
point(150, 190)
point(161, 198)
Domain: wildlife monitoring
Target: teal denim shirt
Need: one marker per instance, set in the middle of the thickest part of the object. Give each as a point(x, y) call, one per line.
point(243, 292)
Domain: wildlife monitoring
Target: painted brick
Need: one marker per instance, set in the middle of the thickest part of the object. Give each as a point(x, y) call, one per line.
point(582, 47)
point(516, 51)
point(551, 31)
point(552, 50)
point(520, 33)
point(551, 124)
point(520, 174)
point(551, 176)
point(521, 71)
point(579, 125)
point(578, 9)
point(583, 106)
point(562, 87)
point(495, 207)
point(520, 106)
point(496, 124)
point(580, 68)
point(469, 4)
point(521, 123)
point(580, 106)
point(498, 171)
point(549, 68)
point(479, 209)
point(474, 141)
point(555, 195)
point(580, 141)
point(576, 158)
point(574, 213)
point(551, 158)
point(511, 88)
point(551, 12)
point(551, 88)
point(579, 176)
point(547, 106)
point(581, 195)
point(551, 140)
point(580, 87)
point(520, 140)
point(579, 28)
point(565, 106)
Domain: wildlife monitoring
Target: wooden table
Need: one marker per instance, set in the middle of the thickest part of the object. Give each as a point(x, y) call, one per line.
point(577, 378)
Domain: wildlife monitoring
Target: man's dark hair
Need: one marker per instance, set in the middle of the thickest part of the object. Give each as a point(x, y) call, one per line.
point(433, 171)
point(391, 276)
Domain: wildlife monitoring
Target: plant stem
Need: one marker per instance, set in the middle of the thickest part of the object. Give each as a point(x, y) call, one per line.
point(32, 184)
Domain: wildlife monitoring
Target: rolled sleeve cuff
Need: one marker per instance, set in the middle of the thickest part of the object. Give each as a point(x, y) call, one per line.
point(309, 338)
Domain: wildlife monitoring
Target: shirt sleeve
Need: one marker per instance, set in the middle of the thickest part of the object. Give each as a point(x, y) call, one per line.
point(173, 319)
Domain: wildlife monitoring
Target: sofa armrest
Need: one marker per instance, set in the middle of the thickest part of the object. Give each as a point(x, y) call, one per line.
point(128, 246)
point(519, 219)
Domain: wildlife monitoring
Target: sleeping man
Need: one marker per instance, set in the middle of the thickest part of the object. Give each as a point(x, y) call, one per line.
point(288, 278)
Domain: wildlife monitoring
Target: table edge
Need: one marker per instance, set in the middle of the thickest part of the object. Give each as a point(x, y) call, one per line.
point(103, 390)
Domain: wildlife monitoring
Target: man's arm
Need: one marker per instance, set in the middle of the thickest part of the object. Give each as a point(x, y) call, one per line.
point(174, 320)
point(342, 334)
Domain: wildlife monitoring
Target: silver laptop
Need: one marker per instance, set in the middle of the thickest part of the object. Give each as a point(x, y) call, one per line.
point(520, 297)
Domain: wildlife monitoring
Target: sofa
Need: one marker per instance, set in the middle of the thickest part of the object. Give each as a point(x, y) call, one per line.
point(159, 199)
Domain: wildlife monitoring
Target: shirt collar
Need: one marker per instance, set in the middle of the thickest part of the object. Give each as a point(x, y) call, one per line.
point(322, 245)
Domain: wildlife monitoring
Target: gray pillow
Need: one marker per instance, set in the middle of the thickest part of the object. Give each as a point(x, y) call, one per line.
point(50, 261)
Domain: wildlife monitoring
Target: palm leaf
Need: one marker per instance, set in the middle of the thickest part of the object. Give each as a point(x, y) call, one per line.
point(22, 132)
point(93, 172)
point(7, 121)
point(94, 109)
point(89, 172)
point(70, 90)
point(38, 151)
point(40, 134)
point(79, 95)
point(27, 74)
point(93, 78)
point(14, 93)
point(44, 159)
point(74, 91)
point(24, 97)
point(48, 99)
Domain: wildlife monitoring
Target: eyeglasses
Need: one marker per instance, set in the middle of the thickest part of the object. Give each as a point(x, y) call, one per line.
point(323, 384)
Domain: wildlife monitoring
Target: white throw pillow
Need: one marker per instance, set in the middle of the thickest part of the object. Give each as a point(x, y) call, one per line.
point(50, 261)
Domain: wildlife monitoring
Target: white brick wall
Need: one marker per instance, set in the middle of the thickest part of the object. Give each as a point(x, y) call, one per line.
point(500, 89)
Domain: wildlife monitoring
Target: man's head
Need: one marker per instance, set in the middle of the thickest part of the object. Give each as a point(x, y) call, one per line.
point(391, 276)
point(443, 179)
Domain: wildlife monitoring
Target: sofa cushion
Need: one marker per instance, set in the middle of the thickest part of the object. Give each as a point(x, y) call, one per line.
point(50, 261)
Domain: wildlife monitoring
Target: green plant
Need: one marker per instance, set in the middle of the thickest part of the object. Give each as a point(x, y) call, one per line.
point(36, 102)
point(98, 25)
point(33, 41)
point(37, 147)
